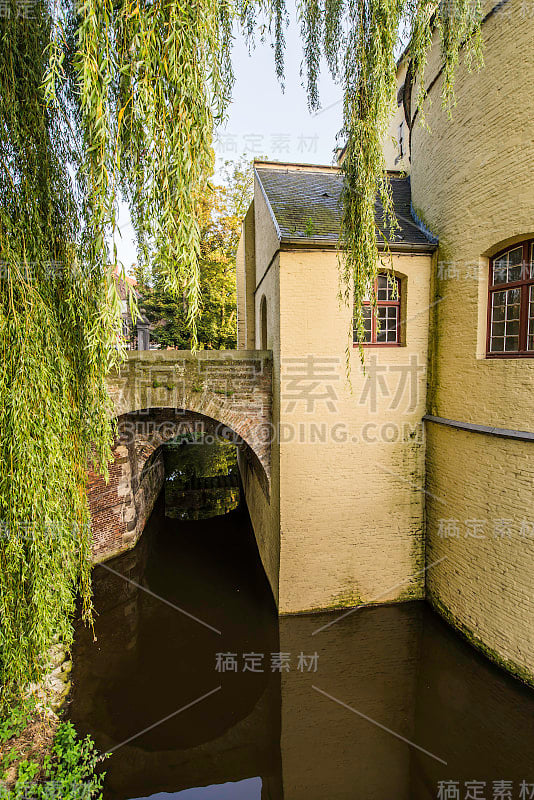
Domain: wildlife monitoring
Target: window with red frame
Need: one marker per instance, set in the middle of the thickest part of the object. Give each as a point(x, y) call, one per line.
point(511, 302)
point(382, 327)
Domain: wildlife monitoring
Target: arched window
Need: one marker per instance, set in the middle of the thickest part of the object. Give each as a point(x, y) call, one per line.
point(511, 302)
point(382, 327)
point(263, 323)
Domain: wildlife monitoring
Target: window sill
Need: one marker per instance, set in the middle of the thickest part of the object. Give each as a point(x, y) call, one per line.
point(379, 344)
point(491, 356)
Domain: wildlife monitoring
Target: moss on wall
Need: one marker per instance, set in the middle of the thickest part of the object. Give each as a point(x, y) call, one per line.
point(517, 670)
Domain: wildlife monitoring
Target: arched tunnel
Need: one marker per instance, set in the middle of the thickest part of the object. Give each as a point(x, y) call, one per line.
point(121, 507)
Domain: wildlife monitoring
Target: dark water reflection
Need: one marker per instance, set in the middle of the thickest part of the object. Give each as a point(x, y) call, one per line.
point(266, 735)
point(201, 480)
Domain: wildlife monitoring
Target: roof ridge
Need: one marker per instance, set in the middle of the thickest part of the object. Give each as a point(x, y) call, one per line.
point(296, 165)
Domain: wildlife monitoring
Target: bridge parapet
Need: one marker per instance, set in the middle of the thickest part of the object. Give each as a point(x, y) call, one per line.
point(158, 395)
point(232, 387)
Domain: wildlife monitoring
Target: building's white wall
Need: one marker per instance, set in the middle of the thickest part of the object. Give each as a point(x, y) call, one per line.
point(392, 144)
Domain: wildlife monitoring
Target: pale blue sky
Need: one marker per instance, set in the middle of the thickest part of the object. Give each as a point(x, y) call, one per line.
point(264, 121)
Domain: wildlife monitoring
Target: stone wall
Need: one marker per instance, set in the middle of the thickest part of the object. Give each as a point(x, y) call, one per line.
point(232, 387)
point(225, 394)
point(121, 508)
point(472, 183)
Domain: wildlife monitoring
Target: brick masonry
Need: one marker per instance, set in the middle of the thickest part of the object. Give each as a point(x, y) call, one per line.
point(472, 184)
point(159, 395)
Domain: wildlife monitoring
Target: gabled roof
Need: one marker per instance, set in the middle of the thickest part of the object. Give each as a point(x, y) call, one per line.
point(305, 203)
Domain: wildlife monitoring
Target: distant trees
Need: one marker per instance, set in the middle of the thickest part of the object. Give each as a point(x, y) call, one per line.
point(222, 209)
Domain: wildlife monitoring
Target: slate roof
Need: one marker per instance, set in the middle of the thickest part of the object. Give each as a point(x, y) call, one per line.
point(306, 205)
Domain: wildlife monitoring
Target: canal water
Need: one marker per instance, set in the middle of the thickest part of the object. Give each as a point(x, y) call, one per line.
point(200, 692)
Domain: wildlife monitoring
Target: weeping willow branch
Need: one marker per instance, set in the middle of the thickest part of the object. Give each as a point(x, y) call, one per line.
point(102, 97)
point(155, 76)
point(58, 335)
point(360, 40)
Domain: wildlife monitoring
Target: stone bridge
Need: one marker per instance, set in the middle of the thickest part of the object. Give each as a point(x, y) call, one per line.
point(158, 395)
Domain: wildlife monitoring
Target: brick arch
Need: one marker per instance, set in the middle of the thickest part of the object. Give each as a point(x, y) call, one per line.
point(158, 395)
point(151, 428)
point(230, 387)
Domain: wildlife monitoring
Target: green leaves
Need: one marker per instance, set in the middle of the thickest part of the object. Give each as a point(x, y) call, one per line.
point(69, 771)
point(222, 208)
point(154, 78)
point(361, 40)
point(58, 333)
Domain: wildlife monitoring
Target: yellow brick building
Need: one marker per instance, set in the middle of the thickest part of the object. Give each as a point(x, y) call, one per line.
point(472, 183)
point(415, 477)
point(344, 520)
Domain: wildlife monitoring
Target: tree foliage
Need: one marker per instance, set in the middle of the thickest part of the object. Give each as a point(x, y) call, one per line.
point(99, 97)
point(58, 334)
point(361, 40)
point(222, 211)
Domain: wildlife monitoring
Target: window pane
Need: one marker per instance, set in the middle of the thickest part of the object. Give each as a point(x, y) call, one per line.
point(514, 274)
point(511, 344)
point(387, 290)
point(392, 324)
point(515, 264)
point(387, 318)
point(513, 299)
point(499, 305)
point(505, 309)
point(532, 260)
point(382, 288)
point(507, 268)
point(515, 256)
point(367, 295)
point(499, 311)
point(366, 324)
point(381, 324)
point(500, 271)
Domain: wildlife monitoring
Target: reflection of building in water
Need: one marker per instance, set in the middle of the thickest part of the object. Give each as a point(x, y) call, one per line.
point(131, 677)
point(400, 666)
point(370, 663)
